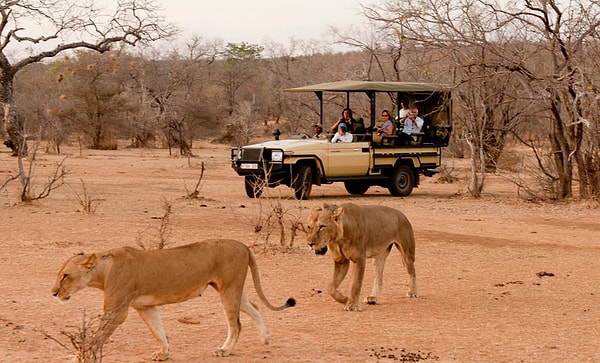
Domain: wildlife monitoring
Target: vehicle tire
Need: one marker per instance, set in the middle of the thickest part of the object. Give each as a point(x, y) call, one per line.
point(253, 186)
point(355, 187)
point(402, 182)
point(303, 182)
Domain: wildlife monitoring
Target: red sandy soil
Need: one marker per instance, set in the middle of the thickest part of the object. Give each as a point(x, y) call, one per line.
point(500, 279)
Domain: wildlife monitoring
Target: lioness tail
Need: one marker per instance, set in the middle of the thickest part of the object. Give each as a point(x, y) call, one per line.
point(258, 287)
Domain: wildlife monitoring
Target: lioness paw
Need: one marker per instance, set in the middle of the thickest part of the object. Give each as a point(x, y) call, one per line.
point(371, 300)
point(160, 356)
point(222, 353)
point(352, 307)
point(412, 294)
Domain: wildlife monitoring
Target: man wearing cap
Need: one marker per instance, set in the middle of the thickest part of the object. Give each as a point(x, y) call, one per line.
point(342, 135)
point(319, 132)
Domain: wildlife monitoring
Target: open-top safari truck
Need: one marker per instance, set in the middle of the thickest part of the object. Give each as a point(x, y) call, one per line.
point(301, 162)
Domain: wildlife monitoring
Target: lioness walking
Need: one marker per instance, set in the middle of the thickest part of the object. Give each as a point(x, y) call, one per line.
point(146, 279)
point(354, 233)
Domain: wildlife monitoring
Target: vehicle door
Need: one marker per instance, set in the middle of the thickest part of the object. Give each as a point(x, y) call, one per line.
point(347, 159)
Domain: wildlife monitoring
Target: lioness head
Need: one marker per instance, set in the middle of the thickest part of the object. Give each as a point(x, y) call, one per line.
point(324, 226)
point(73, 276)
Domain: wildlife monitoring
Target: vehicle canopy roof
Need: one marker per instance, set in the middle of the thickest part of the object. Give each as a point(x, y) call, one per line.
point(364, 86)
point(431, 97)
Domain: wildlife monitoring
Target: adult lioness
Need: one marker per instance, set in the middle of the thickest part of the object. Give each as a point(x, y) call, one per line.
point(146, 279)
point(355, 233)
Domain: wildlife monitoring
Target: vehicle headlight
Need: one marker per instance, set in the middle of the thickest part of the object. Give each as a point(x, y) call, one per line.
point(277, 155)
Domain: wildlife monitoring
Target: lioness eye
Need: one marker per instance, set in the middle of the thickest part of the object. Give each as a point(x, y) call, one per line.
point(64, 277)
point(321, 227)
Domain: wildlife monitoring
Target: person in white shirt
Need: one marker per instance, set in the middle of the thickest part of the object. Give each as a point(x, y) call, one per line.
point(412, 124)
point(404, 110)
point(342, 135)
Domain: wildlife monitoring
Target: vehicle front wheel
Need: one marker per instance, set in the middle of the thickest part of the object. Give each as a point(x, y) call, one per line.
point(356, 187)
point(402, 182)
point(253, 185)
point(303, 182)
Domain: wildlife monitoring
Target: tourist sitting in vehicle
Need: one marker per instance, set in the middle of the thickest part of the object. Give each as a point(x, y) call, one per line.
point(404, 110)
point(342, 135)
point(412, 125)
point(347, 119)
point(387, 129)
point(319, 132)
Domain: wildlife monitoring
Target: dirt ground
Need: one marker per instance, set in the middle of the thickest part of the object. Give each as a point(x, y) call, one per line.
point(500, 279)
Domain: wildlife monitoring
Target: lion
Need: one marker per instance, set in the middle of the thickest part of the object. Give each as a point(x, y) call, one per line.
point(146, 279)
point(358, 232)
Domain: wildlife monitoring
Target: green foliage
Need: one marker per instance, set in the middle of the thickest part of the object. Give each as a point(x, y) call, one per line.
point(239, 52)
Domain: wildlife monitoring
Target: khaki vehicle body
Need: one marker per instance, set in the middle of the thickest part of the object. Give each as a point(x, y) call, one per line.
point(302, 162)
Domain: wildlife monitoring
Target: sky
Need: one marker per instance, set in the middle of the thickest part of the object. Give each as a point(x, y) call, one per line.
point(256, 21)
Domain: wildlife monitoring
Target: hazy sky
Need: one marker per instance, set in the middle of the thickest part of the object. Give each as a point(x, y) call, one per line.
point(254, 21)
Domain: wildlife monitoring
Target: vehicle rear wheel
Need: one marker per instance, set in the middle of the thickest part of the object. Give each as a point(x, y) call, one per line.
point(402, 182)
point(356, 187)
point(254, 186)
point(303, 182)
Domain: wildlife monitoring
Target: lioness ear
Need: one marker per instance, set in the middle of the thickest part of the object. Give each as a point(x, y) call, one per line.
point(89, 262)
point(314, 212)
point(337, 214)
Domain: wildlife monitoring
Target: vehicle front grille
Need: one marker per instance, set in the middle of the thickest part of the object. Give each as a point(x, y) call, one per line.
point(252, 154)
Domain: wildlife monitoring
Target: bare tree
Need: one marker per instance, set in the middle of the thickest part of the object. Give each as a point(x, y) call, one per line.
point(240, 61)
point(449, 41)
point(383, 50)
point(175, 92)
point(46, 28)
point(40, 99)
point(566, 35)
point(100, 89)
point(300, 63)
point(27, 165)
point(242, 125)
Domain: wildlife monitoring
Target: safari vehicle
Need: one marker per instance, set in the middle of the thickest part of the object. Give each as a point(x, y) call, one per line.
point(301, 162)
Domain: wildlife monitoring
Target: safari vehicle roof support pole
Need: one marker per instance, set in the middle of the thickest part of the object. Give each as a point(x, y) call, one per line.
point(320, 97)
point(347, 99)
point(371, 95)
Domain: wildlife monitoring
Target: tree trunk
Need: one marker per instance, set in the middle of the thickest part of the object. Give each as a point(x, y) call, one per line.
point(591, 169)
point(476, 187)
point(584, 176)
point(14, 128)
point(561, 150)
point(564, 166)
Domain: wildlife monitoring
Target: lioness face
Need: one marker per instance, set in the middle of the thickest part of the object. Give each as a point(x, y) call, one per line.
point(72, 277)
point(322, 229)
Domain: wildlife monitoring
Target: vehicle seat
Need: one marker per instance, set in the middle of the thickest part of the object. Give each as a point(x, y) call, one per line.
point(391, 140)
point(359, 130)
point(422, 134)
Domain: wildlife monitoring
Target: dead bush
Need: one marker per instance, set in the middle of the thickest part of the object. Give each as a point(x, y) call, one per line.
point(85, 199)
